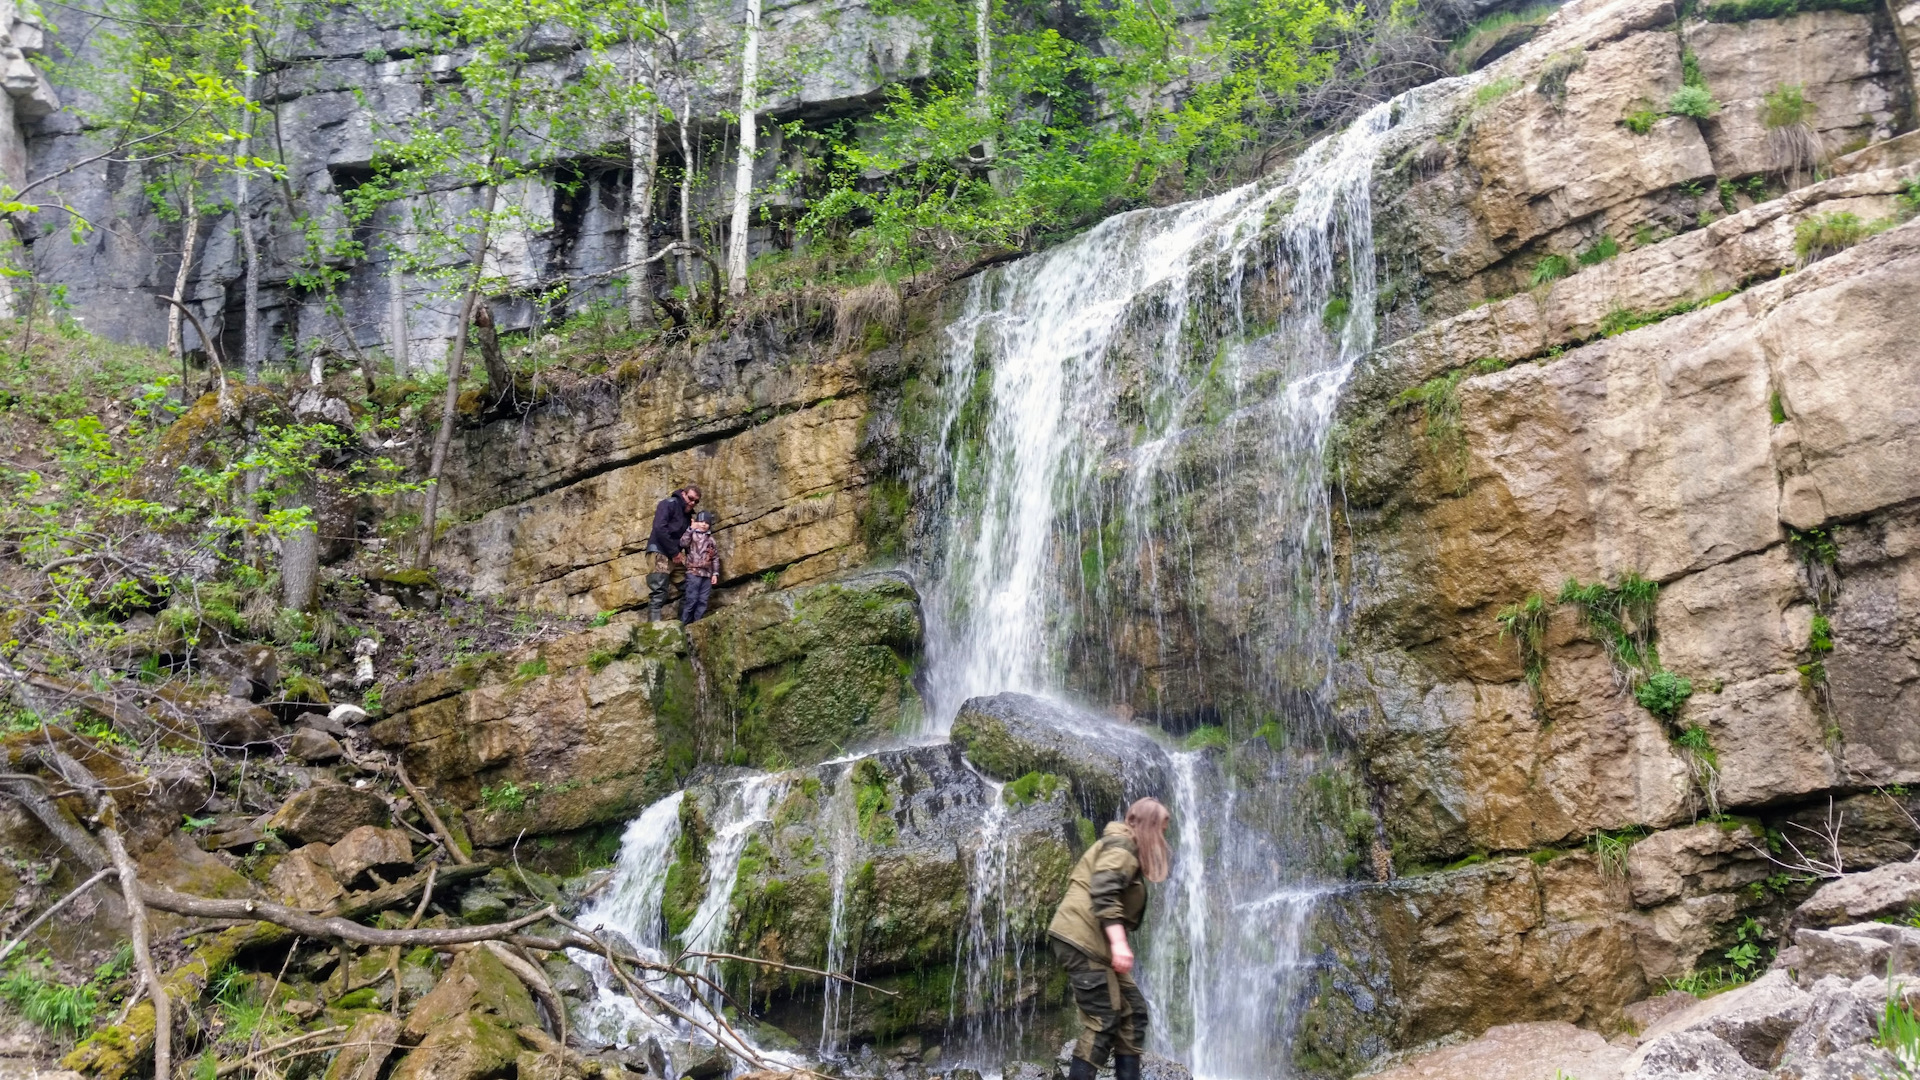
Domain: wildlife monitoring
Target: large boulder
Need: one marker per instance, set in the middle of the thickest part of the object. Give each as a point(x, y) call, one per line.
point(476, 983)
point(575, 732)
point(367, 849)
point(806, 674)
point(1109, 763)
point(326, 812)
point(366, 1047)
point(1887, 890)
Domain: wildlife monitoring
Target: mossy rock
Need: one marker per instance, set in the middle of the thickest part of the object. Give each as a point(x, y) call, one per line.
point(806, 673)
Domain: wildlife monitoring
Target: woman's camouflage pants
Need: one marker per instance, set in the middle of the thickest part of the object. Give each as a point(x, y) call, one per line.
point(1113, 1013)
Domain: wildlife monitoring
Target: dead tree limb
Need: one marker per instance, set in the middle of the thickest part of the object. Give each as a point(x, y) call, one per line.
point(54, 908)
point(330, 926)
point(426, 811)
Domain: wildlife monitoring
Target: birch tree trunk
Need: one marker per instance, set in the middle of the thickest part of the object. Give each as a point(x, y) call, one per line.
point(686, 197)
point(176, 338)
point(457, 355)
point(643, 126)
point(743, 172)
point(983, 67)
point(250, 357)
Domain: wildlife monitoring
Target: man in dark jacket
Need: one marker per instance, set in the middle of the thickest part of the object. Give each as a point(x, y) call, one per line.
point(668, 572)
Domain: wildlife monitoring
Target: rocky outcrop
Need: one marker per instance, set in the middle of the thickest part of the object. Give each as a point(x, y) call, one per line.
point(562, 736)
point(809, 673)
point(1107, 762)
point(585, 730)
point(871, 865)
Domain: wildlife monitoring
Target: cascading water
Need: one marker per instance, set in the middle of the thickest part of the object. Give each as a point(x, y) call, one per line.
point(633, 904)
point(843, 820)
point(1133, 505)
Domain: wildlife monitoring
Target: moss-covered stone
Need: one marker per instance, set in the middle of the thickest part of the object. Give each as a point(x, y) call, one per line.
point(804, 674)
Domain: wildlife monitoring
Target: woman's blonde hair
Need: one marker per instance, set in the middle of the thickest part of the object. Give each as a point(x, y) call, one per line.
point(1147, 818)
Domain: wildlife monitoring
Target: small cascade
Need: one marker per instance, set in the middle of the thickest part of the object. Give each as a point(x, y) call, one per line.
point(844, 822)
point(746, 806)
point(632, 907)
point(991, 956)
point(1224, 955)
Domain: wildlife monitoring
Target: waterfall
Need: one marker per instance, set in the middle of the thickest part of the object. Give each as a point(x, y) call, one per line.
point(1126, 500)
point(632, 906)
point(1131, 504)
point(1094, 393)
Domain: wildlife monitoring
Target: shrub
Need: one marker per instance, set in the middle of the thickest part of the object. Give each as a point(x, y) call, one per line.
point(1640, 121)
point(1602, 249)
point(1550, 269)
point(1209, 738)
point(1693, 101)
point(1786, 105)
point(1621, 619)
point(1820, 636)
point(1821, 235)
point(509, 797)
point(1663, 694)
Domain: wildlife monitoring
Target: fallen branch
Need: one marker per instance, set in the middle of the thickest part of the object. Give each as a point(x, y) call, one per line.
point(235, 1066)
point(426, 811)
point(99, 876)
point(330, 926)
point(848, 979)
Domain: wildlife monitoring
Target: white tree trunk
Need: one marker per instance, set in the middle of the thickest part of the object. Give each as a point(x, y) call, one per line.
point(397, 315)
point(176, 341)
point(643, 126)
point(983, 68)
point(250, 354)
point(686, 197)
point(743, 172)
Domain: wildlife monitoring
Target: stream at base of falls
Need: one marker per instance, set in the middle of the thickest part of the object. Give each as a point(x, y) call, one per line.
point(1091, 393)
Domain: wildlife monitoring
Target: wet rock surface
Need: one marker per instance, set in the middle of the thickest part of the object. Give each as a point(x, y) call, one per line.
point(1108, 763)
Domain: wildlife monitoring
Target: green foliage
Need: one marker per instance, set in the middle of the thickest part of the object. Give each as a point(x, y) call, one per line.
point(1663, 694)
point(1820, 235)
point(531, 669)
point(1549, 269)
point(509, 797)
point(1693, 101)
point(1207, 737)
point(1814, 546)
point(1640, 121)
point(873, 803)
point(1786, 105)
point(1776, 409)
point(1898, 1030)
point(50, 1004)
point(1062, 134)
point(1604, 247)
point(1690, 70)
point(1737, 11)
point(1694, 738)
point(1908, 201)
point(1032, 788)
point(1747, 953)
point(1620, 320)
point(1705, 982)
point(1820, 636)
point(1526, 624)
point(1620, 617)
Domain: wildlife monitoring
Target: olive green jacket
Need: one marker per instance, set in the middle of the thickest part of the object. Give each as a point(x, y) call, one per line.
point(1106, 887)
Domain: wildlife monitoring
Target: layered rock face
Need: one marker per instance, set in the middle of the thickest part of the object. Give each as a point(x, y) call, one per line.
point(351, 78)
point(1722, 411)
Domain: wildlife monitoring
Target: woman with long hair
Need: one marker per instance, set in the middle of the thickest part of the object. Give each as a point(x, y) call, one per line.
point(1106, 898)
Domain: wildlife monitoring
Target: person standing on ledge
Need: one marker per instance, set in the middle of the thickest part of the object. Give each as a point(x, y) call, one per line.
point(669, 568)
point(1106, 899)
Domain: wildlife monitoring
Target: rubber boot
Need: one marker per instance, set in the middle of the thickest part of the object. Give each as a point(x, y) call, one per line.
point(1126, 1067)
point(1082, 1069)
point(656, 595)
